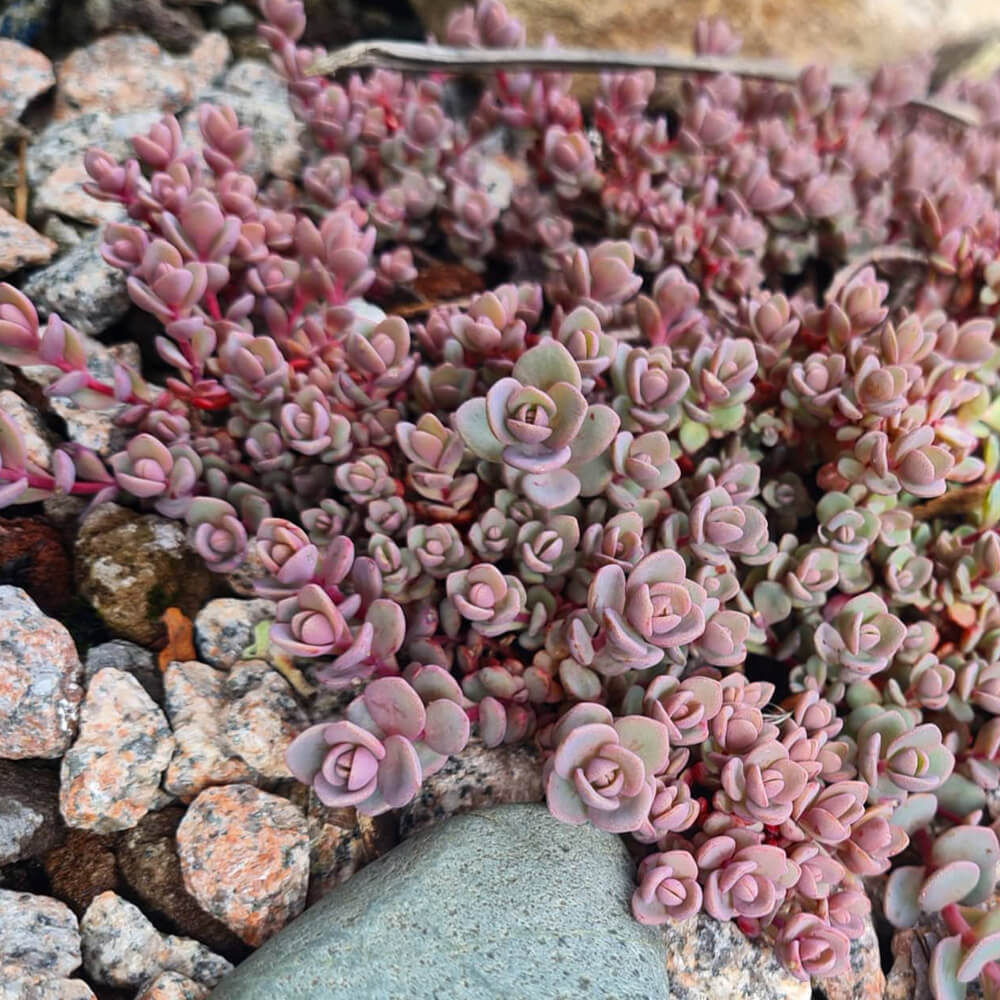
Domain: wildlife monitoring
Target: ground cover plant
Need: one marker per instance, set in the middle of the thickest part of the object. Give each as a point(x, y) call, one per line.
point(665, 439)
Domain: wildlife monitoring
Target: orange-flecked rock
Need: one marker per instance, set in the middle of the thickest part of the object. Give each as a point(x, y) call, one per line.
point(18, 984)
point(245, 857)
point(20, 245)
point(81, 868)
point(128, 72)
point(110, 777)
point(195, 703)
point(173, 986)
point(40, 674)
point(24, 74)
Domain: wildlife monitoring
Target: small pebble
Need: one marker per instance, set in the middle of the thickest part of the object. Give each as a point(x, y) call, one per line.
point(16, 984)
point(111, 774)
point(173, 986)
point(38, 933)
point(24, 74)
point(224, 628)
point(262, 717)
point(130, 657)
point(245, 857)
point(122, 948)
point(29, 811)
point(20, 245)
point(195, 703)
point(40, 675)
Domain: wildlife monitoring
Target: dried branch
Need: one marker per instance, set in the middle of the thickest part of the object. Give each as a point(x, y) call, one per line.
point(420, 57)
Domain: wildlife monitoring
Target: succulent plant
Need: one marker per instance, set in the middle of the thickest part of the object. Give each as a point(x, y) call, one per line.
point(613, 503)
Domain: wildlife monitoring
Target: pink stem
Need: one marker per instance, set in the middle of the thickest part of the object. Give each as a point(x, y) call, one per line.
point(49, 483)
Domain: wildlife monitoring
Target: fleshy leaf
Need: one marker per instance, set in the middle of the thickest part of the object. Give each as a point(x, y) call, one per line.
point(395, 707)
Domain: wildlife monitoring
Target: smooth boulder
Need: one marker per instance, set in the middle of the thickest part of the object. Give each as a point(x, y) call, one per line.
point(499, 903)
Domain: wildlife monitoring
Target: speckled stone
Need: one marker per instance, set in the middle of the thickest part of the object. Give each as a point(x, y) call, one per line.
point(16, 984)
point(245, 858)
point(865, 981)
point(40, 674)
point(81, 868)
point(129, 72)
point(908, 978)
point(132, 567)
point(341, 843)
point(133, 659)
point(20, 245)
point(38, 933)
point(122, 948)
point(81, 287)
point(223, 629)
point(24, 74)
point(36, 437)
point(29, 811)
point(175, 28)
point(173, 986)
point(111, 774)
point(259, 97)
point(262, 717)
point(148, 861)
point(476, 778)
point(713, 958)
point(456, 912)
point(55, 165)
point(196, 703)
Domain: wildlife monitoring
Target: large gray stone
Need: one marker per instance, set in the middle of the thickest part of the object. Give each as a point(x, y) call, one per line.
point(501, 903)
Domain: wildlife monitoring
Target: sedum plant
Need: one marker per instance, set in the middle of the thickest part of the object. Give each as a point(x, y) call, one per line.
point(688, 476)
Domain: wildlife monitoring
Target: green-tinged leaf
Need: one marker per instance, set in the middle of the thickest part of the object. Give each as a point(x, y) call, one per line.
point(471, 424)
point(547, 363)
point(902, 895)
point(596, 433)
point(977, 844)
point(985, 950)
point(945, 961)
point(647, 739)
point(693, 437)
point(948, 885)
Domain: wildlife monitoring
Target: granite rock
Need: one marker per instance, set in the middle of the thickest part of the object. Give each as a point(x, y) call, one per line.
point(20, 245)
point(706, 957)
point(132, 567)
point(259, 97)
point(173, 986)
point(122, 948)
point(130, 72)
point(36, 437)
point(111, 775)
point(40, 674)
point(38, 933)
point(129, 657)
point(456, 912)
point(195, 702)
point(55, 163)
point(17, 984)
point(865, 979)
point(148, 861)
point(262, 717)
point(24, 74)
point(245, 858)
point(342, 842)
point(29, 811)
point(224, 628)
point(477, 778)
point(81, 287)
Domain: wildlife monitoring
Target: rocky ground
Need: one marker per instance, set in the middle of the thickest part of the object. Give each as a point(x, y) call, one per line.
point(151, 837)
